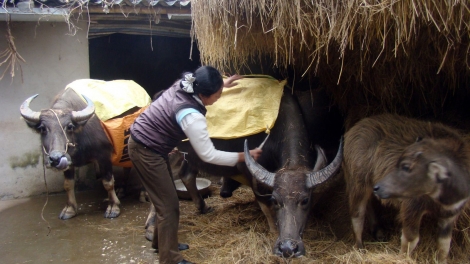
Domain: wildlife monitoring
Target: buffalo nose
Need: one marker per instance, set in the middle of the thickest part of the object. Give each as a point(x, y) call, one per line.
point(54, 158)
point(288, 248)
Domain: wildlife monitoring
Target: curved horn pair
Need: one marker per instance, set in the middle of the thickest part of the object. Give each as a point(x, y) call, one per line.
point(32, 117)
point(314, 178)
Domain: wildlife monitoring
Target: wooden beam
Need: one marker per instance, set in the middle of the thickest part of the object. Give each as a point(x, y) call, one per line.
point(124, 9)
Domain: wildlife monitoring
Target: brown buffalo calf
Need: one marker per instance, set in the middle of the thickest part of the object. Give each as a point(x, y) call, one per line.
point(416, 166)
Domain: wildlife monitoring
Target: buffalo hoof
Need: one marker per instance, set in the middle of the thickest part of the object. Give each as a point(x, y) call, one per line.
point(149, 233)
point(358, 245)
point(112, 211)
point(226, 194)
point(144, 197)
point(228, 187)
point(206, 210)
point(379, 235)
point(67, 213)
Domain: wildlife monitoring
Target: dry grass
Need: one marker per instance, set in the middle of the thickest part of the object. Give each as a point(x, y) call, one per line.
point(408, 57)
point(10, 56)
point(237, 232)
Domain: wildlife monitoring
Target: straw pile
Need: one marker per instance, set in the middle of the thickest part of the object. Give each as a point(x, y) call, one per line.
point(237, 232)
point(409, 57)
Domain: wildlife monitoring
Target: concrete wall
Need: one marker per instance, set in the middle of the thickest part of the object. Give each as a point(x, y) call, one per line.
point(54, 58)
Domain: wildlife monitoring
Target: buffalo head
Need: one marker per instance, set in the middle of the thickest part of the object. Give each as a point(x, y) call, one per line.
point(424, 168)
point(57, 127)
point(291, 197)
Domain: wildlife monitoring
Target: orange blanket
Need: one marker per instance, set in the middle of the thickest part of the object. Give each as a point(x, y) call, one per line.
point(118, 132)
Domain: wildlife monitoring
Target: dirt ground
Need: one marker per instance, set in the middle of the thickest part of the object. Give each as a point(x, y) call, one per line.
point(236, 232)
point(86, 238)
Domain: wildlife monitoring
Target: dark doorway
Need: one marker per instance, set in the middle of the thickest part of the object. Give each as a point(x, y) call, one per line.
point(153, 62)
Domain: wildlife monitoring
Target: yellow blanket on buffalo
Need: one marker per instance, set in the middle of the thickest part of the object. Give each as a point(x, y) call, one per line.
point(245, 109)
point(111, 99)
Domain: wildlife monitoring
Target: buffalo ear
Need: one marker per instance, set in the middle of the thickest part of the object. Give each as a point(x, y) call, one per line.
point(438, 172)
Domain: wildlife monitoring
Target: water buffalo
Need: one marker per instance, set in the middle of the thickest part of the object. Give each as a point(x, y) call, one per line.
point(419, 167)
point(72, 136)
point(283, 180)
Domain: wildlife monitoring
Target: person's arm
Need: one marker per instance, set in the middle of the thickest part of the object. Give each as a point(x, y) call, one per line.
point(195, 127)
point(230, 81)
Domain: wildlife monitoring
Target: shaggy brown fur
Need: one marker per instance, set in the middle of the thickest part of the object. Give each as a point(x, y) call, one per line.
point(382, 155)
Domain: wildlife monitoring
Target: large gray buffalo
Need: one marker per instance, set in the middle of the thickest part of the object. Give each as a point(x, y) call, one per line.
point(284, 178)
point(72, 136)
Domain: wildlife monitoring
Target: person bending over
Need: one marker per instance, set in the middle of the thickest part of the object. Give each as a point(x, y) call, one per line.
point(178, 113)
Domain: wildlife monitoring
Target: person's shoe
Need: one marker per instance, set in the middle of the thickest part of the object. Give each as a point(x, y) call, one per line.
point(185, 262)
point(181, 247)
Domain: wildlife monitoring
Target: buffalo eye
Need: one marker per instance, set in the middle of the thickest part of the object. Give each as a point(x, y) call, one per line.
point(405, 167)
point(41, 129)
point(70, 127)
point(304, 201)
point(274, 201)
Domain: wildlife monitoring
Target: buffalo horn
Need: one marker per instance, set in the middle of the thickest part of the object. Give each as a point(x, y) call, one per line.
point(317, 177)
point(29, 115)
point(321, 159)
point(85, 114)
point(260, 173)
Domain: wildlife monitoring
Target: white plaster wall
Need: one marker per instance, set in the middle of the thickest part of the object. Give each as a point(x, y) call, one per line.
point(54, 58)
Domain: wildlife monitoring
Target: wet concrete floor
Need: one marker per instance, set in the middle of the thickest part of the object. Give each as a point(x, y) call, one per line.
point(86, 238)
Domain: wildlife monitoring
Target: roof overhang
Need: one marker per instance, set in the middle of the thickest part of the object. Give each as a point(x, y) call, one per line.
point(147, 17)
point(34, 14)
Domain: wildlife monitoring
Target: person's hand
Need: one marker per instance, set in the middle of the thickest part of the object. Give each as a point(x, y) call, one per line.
point(256, 153)
point(173, 151)
point(230, 81)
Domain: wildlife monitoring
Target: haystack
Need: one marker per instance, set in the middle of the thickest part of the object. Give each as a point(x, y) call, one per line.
point(408, 57)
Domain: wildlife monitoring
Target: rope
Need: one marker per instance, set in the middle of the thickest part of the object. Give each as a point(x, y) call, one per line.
point(47, 196)
point(67, 142)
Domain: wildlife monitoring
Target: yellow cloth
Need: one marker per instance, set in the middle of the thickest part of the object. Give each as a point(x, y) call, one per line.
point(245, 109)
point(111, 98)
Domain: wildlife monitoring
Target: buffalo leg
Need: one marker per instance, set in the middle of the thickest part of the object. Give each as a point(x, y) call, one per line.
point(372, 214)
point(70, 209)
point(113, 209)
point(107, 178)
point(445, 236)
point(143, 195)
point(122, 190)
point(150, 223)
point(411, 220)
point(188, 177)
point(358, 206)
